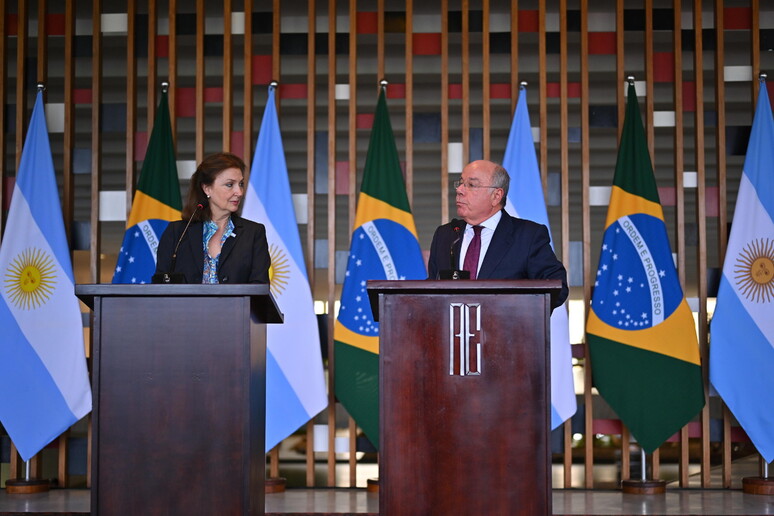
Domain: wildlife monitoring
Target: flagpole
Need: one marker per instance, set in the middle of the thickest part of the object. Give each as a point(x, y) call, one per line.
point(644, 485)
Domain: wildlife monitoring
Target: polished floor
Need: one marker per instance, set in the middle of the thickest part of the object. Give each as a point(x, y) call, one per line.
point(75, 502)
point(356, 501)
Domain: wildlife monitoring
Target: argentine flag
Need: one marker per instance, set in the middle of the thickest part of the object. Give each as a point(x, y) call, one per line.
point(525, 200)
point(295, 383)
point(42, 359)
point(742, 328)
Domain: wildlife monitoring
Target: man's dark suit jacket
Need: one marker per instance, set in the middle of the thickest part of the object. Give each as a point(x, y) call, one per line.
point(520, 249)
point(243, 259)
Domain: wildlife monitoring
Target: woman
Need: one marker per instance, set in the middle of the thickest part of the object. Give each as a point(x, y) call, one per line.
point(219, 246)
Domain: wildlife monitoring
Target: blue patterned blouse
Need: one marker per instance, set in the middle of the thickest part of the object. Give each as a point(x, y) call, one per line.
point(210, 273)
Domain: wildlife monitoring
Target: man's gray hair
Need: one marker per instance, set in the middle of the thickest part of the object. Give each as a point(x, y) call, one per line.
point(501, 179)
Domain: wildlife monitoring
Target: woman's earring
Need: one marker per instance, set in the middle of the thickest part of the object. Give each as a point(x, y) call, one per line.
point(208, 197)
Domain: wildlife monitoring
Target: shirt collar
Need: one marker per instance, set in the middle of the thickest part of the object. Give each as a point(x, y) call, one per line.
point(209, 229)
point(491, 222)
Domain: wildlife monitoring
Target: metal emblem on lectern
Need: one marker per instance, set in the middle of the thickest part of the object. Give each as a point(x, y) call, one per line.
point(465, 339)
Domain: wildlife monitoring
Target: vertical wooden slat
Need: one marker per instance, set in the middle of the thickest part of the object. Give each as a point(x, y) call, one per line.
point(35, 462)
point(465, 81)
point(228, 64)
point(275, 44)
point(352, 435)
point(63, 452)
point(379, 38)
point(131, 105)
point(352, 112)
point(621, 97)
point(352, 160)
point(410, 101)
point(69, 120)
point(152, 68)
point(444, 110)
point(543, 75)
point(200, 14)
point(564, 144)
point(311, 64)
point(68, 180)
point(755, 48)
point(42, 47)
point(247, 84)
point(720, 159)
point(21, 96)
point(3, 80)
point(172, 65)
point(331, 235)
point(275, 64)
point(311, 92)
point(679, 158)
point(649, 100)
point(620, 85)
point(514, 53)
point(588, 417)
point(96, 139)
point(650, 135)
point(310, 194)
point(565, 186)
point(485, 72)
point(585, 205)
point(701, 269)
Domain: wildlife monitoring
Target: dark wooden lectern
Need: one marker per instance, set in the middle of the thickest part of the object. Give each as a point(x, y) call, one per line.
point(179, 385)
point(464, 396)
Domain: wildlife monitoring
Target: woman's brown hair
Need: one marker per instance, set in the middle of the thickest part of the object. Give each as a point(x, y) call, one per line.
point(205, 174)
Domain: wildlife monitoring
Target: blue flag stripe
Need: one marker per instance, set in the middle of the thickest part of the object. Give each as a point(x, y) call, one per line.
point(760, 152)
point(36, 397)
point(286, 408)
point(746, 370)
point(46, 210)
point(526, 200)
point(273, 188)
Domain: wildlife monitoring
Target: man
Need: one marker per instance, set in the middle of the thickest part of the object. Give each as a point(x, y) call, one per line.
point(507, 247)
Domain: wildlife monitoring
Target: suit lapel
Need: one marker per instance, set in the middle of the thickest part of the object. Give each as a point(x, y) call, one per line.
point(501, 241)
point(457, 251)
point(230, 242)
point(194, 244)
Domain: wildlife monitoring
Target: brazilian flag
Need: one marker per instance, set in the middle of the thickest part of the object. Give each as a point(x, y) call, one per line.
point(156, 203)
point(384, 246)
point(641, 334)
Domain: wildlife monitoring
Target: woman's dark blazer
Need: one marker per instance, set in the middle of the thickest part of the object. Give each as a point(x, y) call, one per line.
point(243, 259)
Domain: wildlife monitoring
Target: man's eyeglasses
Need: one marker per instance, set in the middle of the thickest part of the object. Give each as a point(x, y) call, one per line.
point(469, 185)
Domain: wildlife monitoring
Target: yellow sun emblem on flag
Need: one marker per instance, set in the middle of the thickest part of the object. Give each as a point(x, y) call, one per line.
point(30, 279)
point(279, 271)
point(755, 271)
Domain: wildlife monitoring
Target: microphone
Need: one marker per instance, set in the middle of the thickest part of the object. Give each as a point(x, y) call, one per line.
point(458, 232)
point(453, 273)
point(172, 276)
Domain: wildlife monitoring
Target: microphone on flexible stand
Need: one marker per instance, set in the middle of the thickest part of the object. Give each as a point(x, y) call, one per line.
point(172, 276)
point(455, 273)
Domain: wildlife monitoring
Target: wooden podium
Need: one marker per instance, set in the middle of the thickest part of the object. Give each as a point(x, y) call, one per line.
point(464, 396)
point(178, 384)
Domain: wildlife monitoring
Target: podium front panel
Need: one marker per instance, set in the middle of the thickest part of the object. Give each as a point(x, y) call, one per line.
point(179, 406)
point(465, 403)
